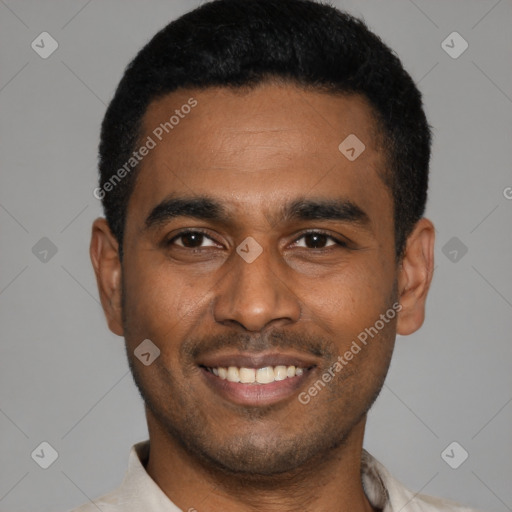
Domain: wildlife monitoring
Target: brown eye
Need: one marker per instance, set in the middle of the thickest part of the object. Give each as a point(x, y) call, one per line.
point(191, 240)
point(318, 240)
point(315, 240)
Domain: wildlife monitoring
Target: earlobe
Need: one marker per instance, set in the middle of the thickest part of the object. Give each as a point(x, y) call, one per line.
point(104, 252)
point(415, 276)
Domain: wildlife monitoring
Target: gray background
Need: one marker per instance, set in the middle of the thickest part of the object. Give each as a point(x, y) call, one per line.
point(64, 377)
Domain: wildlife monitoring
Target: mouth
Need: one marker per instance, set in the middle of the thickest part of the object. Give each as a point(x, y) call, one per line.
point(256, 380)
point(264, 375)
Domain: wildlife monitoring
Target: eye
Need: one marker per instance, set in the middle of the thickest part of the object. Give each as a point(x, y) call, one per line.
point(197, 239)
point(191, 239)
point(318, 240)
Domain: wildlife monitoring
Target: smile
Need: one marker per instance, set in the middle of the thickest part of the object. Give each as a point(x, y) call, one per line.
point(257, 379)
point(264, 375)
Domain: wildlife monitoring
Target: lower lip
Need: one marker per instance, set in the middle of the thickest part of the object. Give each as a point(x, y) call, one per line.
point(256, 394)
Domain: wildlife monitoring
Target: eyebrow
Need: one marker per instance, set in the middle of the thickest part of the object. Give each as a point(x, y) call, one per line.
point(208, 208)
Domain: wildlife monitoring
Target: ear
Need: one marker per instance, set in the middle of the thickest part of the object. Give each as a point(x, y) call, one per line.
point(415, 276)
point(104, 252)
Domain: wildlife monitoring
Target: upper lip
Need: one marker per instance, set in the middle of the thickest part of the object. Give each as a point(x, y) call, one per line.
point(257, 360)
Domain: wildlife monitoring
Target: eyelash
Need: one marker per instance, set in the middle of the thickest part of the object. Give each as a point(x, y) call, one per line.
point(339, 242)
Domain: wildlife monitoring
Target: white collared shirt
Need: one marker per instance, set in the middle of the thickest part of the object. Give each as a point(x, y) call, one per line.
point(138, 492)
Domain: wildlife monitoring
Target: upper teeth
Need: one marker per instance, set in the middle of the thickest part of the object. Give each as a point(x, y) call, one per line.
point(260, 375)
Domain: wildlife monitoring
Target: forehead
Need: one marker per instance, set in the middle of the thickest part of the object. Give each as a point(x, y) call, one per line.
point(256, 148)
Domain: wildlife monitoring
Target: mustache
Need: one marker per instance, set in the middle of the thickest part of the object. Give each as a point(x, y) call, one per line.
point(319, 347)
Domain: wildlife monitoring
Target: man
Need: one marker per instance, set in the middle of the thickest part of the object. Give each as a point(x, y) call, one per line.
point(264, 170)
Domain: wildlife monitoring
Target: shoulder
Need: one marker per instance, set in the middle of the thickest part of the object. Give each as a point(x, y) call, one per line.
point(424, 503)
point(106, 503)
point(389, 494)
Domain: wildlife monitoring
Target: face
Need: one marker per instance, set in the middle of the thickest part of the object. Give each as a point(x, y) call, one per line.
point(255, 250)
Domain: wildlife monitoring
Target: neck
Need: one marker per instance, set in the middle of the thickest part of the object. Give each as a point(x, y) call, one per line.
point(330, 482)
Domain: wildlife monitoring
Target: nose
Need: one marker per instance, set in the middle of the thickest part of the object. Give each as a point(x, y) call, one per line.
point(257, 294)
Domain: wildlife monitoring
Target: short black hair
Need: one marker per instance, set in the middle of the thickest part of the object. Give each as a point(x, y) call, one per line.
point(243, 43)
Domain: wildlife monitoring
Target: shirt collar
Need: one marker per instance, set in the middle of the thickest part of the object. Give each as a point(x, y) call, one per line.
point(139, 491)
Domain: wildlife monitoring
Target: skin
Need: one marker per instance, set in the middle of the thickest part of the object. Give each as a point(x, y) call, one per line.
point(254, 151)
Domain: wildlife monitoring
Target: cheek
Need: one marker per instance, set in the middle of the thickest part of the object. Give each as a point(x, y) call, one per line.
point(154, 299)
point(161, 304)
point(351, 299)
point(159, 301)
